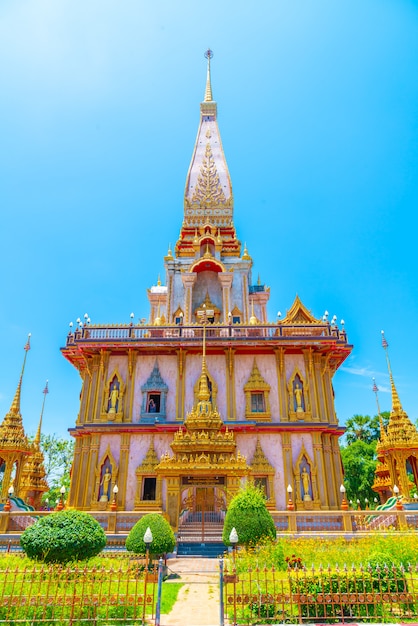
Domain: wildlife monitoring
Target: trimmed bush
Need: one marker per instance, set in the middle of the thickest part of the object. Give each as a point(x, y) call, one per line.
point(163, 539)
point(248, 513)
point(63, 536)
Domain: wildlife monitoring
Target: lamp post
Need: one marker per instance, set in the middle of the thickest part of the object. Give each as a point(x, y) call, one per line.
point(8, 504)
point(148, 541)
point(358, 505)
point(344, 503)
point(233, 538)
point(366, 504)
point(395, 490)
point(60, 504)
point(46, 504)
point(290, 506)
point(114, 504)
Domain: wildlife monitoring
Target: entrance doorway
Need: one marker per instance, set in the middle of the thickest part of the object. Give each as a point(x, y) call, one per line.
point(202, 511)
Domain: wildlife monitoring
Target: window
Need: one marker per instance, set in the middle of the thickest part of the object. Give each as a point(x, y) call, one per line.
point(257, 403)
point(149, 488)
point(154, 403)
point(261, 483)
point(236, 319)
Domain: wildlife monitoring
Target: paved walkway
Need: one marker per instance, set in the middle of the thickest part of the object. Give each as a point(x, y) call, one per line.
point(198, 601)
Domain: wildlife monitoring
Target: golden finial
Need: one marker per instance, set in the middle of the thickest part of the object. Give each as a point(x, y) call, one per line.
point(169, 253)
point(396, 403)
point(259, 280)
point(246, 256)
point(159, 281)
point(15, 407)
point(204, 393)
point(208, 90)
point(157, 320)
point(253, 319)
point(196, 238)
point(207, 253)
point(218, 237)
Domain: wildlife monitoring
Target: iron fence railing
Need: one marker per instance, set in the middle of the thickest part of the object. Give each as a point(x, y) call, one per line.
point(301, 596)
point(68, 595)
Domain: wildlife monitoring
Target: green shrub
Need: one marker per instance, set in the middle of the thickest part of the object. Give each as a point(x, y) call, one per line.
point(163, 539)
point(247, 513)
point(63, 536)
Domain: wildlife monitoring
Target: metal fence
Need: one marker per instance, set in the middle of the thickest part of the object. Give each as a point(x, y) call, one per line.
point(52, 594)
point(301, 596)
point(292, 522)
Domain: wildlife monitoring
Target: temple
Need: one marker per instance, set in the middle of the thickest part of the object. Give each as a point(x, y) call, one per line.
point(178, 412)
point(397, 449)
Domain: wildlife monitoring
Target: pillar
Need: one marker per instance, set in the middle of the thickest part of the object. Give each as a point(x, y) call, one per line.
point(189, 279)
point(225, 278)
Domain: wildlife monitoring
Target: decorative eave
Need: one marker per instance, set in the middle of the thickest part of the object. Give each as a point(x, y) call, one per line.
point(299, 314)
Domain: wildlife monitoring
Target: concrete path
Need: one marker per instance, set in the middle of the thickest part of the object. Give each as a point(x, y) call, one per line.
point(198, 601)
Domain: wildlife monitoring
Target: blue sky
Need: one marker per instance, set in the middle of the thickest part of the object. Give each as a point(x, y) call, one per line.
point(318, 112)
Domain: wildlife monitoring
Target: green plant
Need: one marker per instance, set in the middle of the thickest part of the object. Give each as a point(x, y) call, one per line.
point(163, 539)
point(63, 536)
point(247, 513)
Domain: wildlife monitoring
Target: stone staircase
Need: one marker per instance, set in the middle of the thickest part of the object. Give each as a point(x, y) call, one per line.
point(197, 539)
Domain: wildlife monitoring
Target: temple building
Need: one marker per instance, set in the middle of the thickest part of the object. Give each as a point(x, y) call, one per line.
point(177, 413)
point(397, 449)
point(21, 462)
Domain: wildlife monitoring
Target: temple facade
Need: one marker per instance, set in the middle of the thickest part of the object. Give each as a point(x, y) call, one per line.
point(177, 413)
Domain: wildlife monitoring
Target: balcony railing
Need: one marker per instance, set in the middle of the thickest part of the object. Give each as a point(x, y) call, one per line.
point(219, 332)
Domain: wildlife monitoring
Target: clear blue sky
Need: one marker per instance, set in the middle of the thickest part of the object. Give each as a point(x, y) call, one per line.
point(318, 112)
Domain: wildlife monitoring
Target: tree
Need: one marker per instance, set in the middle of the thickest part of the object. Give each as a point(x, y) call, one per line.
point(359, 461)
point(63, 536)
point(248, 514)
point(359, 454)
point(163, 539)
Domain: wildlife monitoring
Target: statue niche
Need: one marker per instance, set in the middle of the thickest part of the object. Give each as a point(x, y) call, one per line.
point(305, 476)
point(112, 407)
point(298, 393)
point(106, 479)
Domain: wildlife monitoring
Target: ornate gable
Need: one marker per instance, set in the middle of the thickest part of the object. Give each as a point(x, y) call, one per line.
point(299, 314)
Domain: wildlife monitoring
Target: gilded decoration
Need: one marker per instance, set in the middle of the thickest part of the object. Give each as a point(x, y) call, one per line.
point(202, 443)
point(257, 402)
point(298, 397)
point(146, 472)
point(113, 395)
point(306, 482)
point(299, 314)
point(262, 473)
point(106, 477)
point(396, 447)
point(208, 189)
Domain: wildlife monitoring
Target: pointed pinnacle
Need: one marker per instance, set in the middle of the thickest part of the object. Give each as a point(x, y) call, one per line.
point(208, 90)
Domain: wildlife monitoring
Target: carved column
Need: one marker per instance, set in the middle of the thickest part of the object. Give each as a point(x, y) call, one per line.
point(181, 381)
point(245, 299)
point(90, 475)
point(225, 278)
point(310, 377)
point(330, 474)
point(287, 463)
point(189, 279)
point(281, 384)
point(125, 441)
point(95, 399)
point(319, 389)
point(74, 487)
point(130, 386)
point(80, 486)
point(230, 385)
point(337, 463)
point(319, 462)
point(173, 500)
point(328, 374)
